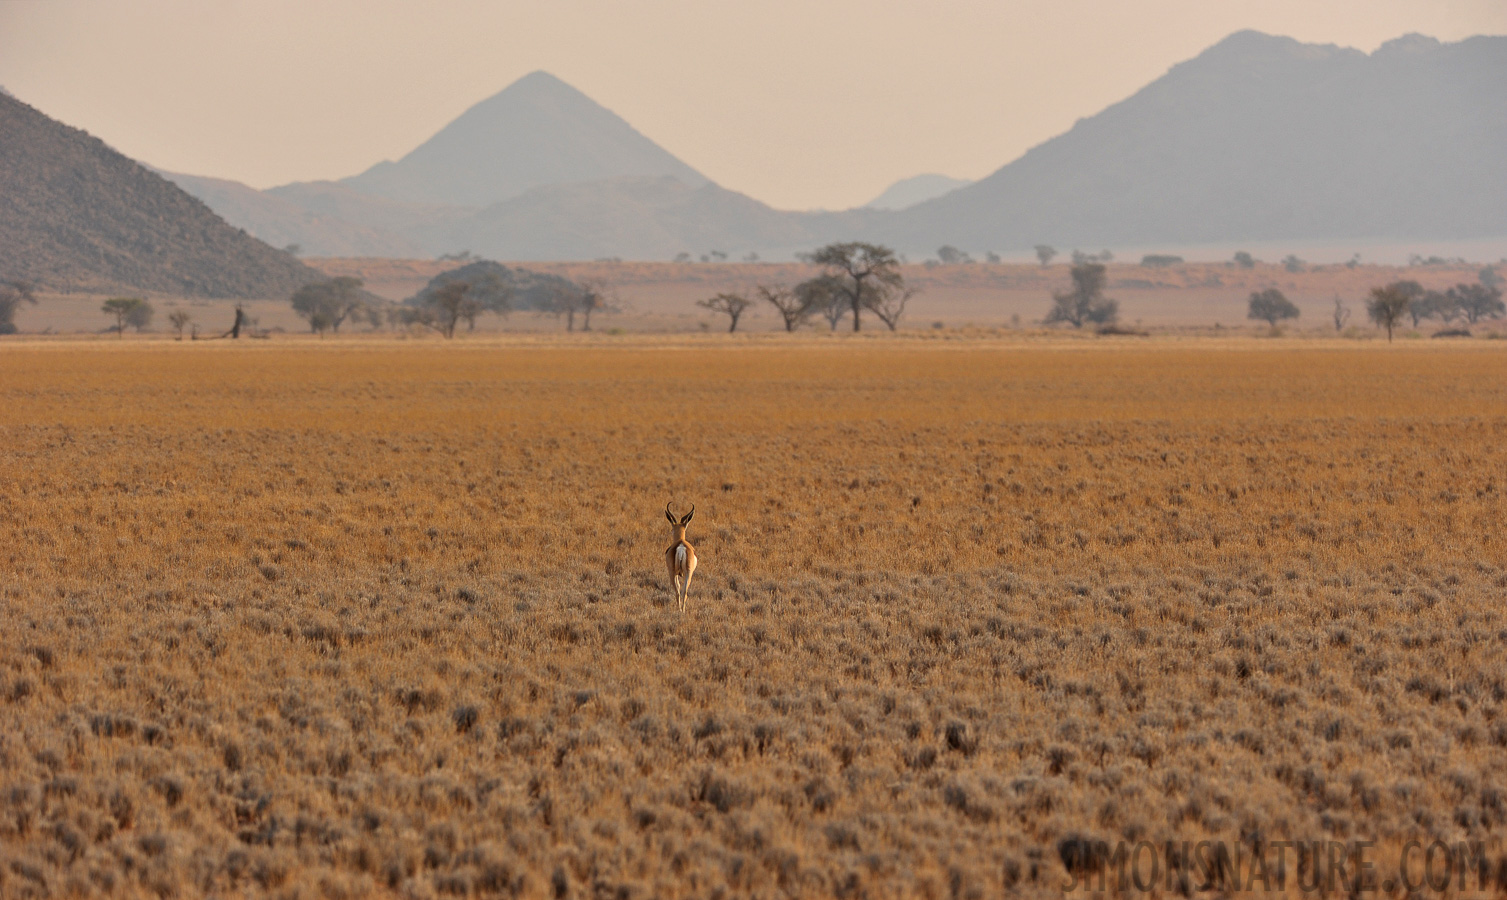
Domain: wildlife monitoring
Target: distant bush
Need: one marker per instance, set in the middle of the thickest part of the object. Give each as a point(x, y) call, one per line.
point(1160, 260)
point(1272, 306)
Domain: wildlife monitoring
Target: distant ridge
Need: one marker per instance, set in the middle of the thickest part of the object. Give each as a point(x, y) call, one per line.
point(282, 221)
point(907, 192)
point(536, 132)
point(1259, 138)
point(77, 215)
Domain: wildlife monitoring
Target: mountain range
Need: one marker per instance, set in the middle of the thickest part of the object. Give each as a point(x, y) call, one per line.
point(1257, 138)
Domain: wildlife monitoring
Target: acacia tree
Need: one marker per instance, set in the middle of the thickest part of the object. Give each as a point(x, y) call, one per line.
point(1433, 305)
point(450, 304)
point(1271, 305)
point(12, 295)
point(327, 304)
point(594, 298)
point(825, 298)
point(567, 300)
point(794, 306)
point(133, 311)
point(1086, 301)
point(1477, 301)
point(859, 272)
point(1389, 304)
point(1045, 252)
point(730, 305)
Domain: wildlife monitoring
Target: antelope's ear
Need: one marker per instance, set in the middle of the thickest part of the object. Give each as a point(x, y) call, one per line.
point(688, 515)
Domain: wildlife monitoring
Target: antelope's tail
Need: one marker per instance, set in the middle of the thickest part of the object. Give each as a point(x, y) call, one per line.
point(681, 569)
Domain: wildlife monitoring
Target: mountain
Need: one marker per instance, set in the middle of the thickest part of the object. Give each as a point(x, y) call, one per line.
point(907, 192)
point(77, 215)
point(539, 131)
point(634, 217)
point(298, 219)
point(1258, 138)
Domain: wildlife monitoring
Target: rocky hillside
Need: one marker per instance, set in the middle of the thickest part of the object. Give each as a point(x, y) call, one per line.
point(76, 215)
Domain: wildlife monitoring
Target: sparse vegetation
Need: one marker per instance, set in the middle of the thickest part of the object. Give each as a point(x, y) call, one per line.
point(448, 305)
point(1340, 314)
point(864, 276)
point(1161, 260)
point(1477, 301)
point(794, 306)
point(13, 294)
point(392, 621)
point(1271, 306)
point(1389, 304)
point(728, 304)
point(326, 305)
point(179, 319)
point(1086, 302)
point(1045, 253)
point(133, 311)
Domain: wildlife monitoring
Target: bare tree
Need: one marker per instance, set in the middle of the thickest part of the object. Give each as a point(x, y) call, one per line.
point(12, 295)
point(241, 321)
point(179, 319)
point(1389, 304)
point(730, 305)
point(1341, 313)
point(1086, 301)
point(1045, 252)
point(859, 271)
point(889, 306)
point(794, 306)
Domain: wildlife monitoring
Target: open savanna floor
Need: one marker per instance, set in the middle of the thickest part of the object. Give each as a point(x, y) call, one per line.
point(369, 619)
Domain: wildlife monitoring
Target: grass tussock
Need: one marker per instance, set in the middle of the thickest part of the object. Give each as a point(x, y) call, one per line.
point(394, 621)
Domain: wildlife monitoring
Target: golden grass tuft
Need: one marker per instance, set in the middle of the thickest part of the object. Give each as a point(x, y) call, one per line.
point(372, 619)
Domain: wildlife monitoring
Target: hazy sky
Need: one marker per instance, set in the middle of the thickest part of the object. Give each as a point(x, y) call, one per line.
point(799, 103)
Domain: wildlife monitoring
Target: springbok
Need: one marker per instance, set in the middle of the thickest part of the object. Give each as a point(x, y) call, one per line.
point(681, 557)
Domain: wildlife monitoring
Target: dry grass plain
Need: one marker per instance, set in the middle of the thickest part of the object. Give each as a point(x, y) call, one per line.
point(357, 618)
